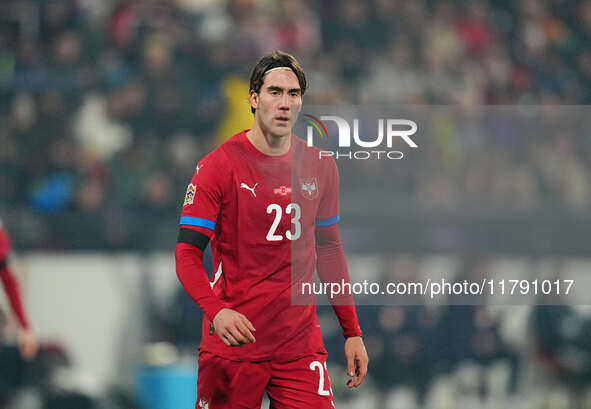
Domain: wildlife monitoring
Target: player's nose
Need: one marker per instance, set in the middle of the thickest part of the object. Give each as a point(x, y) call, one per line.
point(284, 102)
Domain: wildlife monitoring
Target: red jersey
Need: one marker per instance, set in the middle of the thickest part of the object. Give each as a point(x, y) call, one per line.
point(263, 211)
point(4, 243)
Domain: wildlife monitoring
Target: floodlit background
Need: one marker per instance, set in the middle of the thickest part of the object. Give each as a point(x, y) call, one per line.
point(106, 106)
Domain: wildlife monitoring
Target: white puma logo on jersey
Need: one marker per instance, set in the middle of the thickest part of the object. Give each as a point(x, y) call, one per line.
point(245, 186)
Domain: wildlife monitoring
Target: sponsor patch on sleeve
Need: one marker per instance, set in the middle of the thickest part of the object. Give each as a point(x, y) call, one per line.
point(190, 195)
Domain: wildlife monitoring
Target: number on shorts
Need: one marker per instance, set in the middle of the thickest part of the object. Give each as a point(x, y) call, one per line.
point(321, 369)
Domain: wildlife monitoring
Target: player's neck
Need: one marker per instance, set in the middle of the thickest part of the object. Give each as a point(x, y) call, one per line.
point(267, 143)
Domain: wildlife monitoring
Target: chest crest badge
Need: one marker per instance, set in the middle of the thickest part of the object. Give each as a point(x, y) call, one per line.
point(309, 188)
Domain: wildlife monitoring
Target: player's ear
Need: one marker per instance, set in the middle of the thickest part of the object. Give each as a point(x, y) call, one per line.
point(253, 99)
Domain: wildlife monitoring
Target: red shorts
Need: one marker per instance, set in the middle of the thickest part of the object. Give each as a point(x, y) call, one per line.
point(299, 384)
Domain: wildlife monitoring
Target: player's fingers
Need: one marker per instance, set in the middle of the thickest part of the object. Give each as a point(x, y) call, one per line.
point(224, 340)
point(362, 367)
point(227, 337)
point(352, 383)
point(245, 331)
point(238, 335)
point(362, 374)
point(355, 381)
point(350, 365)
point(247, 323)
point(231, 339)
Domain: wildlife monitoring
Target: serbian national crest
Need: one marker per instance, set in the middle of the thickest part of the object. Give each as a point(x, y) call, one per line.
point(203, 403)
point(309, 188)
point(190, 195)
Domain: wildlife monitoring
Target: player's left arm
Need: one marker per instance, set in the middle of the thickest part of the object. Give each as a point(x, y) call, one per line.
point(332, 267)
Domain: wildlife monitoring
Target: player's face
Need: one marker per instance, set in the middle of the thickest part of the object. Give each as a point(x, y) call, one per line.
point(278, 103)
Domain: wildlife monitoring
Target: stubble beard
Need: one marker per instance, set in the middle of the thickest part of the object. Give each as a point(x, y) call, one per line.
point(278, 133)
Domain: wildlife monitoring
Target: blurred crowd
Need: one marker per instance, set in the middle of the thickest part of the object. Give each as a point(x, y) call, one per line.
point(106, 106)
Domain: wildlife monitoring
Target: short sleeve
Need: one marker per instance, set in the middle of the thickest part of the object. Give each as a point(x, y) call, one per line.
point(203, 198)
point(328, 211)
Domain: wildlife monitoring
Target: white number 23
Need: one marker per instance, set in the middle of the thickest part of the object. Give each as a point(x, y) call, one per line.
point(295, 221)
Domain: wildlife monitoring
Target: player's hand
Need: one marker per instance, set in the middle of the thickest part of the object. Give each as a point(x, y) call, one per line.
point(357, 361)
point(233, 328)
point(27, 344)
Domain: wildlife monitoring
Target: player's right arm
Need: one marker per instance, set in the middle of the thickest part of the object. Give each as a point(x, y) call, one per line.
point(199, 216)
